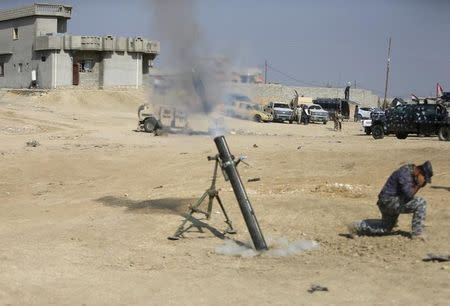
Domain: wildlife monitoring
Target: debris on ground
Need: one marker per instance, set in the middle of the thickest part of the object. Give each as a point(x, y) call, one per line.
point(435, 257)
point(255, 145)
point(158, 187)
point(33, 143)
point(256, 179)
point(315, 288)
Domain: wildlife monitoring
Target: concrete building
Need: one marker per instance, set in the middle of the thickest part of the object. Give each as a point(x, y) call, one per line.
point(35, 48)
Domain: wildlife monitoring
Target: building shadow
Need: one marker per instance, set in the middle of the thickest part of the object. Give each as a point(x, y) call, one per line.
point(441, 187)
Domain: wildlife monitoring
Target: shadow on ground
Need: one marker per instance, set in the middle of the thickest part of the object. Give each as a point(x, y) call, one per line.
point(393, 233)
point(441, 187)
point(176, 206)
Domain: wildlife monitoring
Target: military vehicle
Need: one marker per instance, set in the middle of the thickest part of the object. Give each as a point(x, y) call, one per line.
point(421, 119)
point(165, 118)
point(375, 114)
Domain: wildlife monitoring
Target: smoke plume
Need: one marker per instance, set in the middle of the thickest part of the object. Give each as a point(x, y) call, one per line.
point(186, 54)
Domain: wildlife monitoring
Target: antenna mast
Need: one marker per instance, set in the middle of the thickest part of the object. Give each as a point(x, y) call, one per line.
point(387, 74)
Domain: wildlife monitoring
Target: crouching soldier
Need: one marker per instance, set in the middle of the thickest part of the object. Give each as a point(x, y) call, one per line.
point(398, 197)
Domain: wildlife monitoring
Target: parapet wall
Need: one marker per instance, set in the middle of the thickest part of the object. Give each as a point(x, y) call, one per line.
point(264, 93)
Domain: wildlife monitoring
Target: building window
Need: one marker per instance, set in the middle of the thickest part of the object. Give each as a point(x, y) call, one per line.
point(87, 65)
point(16, 33)
point(43, 58)
point(20, 68)
point(2, 69)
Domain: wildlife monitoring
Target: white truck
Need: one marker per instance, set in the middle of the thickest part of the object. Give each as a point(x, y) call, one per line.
point(280, 111)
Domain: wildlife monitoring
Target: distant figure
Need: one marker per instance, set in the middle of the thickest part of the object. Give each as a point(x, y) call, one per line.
point(398, 197)
point(425, 101)
point(304, 118)
point(347, 92)
point(337, 118)
point(355, 116)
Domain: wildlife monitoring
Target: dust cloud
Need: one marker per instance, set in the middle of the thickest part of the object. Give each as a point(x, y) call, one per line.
point(278, 247)
point(190, 67)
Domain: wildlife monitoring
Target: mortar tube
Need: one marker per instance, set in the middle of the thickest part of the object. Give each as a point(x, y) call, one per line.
point(229, 166)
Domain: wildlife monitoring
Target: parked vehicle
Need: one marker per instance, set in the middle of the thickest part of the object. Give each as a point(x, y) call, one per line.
point(375, 114)
point(420, 119)
point(364, 113)
point(333, 104)
point(317, 114)
point(164, 117)
point(280, 111)
point(240, 106)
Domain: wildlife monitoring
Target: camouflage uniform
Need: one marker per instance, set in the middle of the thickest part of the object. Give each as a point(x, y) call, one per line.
point(391, 208)
point(396, 197)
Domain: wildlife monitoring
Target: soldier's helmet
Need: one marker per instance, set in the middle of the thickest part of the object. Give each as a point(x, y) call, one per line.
point(427, 171)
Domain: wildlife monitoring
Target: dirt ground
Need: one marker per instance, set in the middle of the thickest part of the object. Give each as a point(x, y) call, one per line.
point(85, 216)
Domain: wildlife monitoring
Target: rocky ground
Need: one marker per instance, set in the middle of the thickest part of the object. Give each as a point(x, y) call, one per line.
point(86, 209)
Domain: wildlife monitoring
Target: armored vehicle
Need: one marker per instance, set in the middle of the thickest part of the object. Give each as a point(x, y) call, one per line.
point(420, 119)
point(165, 117)
point(376, 114)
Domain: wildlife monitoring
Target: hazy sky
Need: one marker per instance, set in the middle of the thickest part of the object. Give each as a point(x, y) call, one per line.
point(314, 41)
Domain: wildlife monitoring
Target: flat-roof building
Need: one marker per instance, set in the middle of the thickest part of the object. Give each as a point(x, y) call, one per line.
point(35, 50)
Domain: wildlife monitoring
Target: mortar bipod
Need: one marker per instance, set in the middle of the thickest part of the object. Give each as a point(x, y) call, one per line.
point(211, 193)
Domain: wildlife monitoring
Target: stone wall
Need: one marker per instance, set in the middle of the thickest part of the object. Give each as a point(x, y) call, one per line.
point(264, 93)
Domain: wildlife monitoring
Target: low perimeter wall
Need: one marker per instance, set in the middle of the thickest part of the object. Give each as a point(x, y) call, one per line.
point(264, 93)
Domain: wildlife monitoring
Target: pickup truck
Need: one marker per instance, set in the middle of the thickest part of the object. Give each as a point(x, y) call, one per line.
point(317, 114)
point(280, 111)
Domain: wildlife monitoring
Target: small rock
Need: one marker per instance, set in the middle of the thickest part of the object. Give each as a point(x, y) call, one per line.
point(33, 143)
point(299, 147)
point(255, 145)
point(125, 195)
point(445, 268)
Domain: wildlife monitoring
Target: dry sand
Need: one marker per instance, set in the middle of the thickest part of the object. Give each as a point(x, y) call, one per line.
point(85, 216)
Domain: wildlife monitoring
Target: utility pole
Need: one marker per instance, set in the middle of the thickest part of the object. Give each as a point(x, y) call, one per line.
point(387, 74)
point(265, 72)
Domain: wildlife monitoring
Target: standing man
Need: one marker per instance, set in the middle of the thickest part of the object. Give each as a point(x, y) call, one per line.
point(347, 91)
point(398, 197)
point(355, 115)
point(337, 118)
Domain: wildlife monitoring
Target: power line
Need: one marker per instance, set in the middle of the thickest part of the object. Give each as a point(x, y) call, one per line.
point(293, 78)
point(314, 84)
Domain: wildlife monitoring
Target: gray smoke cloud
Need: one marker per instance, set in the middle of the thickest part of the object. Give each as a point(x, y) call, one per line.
point(190, 65)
